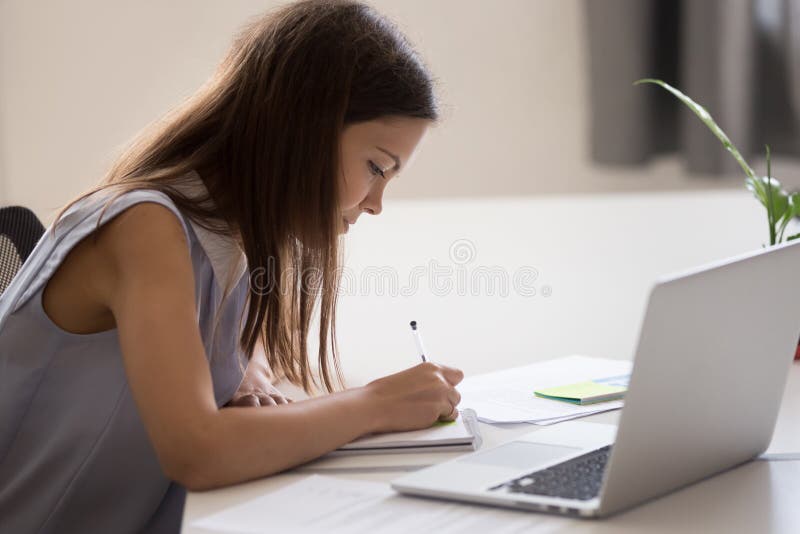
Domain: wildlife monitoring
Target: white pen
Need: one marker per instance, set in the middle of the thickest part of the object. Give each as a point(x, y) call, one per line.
point(418, 340)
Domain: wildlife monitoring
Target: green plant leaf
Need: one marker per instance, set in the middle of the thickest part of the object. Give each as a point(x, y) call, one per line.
point(780, 198)
point(779, 209)
point(793, 237)
point(704, 116)
point(756, 186)
point(794, 204)
point(772, 219)
point(792, 211)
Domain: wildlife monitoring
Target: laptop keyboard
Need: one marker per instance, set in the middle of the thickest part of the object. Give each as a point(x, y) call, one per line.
point(579, 478)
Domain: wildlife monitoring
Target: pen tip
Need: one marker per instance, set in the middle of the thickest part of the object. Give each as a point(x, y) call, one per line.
point(413, 325)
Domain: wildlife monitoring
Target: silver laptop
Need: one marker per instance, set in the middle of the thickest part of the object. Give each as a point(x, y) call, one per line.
point(714, 351)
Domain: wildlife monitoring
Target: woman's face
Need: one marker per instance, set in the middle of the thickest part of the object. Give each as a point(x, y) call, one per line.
point(372, 153)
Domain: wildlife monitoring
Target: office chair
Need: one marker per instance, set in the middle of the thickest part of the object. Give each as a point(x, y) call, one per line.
point(20, 230)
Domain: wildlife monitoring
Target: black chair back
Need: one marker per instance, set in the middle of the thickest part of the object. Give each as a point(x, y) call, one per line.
point(20, 230)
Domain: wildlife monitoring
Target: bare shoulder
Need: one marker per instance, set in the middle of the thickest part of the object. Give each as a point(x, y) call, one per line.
point(145, 223)
point(143, 250)
point(145, 233)
point(146, 252)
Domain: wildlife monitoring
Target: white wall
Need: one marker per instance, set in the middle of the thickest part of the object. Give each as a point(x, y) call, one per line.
point(78, 79)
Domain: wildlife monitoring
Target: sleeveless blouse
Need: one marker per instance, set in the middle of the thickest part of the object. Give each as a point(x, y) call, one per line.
point(74, 454)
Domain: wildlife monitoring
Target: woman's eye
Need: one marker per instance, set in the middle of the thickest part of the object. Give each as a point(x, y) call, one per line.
point(375, 170)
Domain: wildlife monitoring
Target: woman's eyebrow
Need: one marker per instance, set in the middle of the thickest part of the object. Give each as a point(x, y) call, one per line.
point(395, 158)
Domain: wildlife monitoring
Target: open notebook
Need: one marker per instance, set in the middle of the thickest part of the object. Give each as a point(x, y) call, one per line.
point(460, 435)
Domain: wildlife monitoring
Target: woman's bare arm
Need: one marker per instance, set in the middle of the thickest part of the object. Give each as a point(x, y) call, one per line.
point(151, 295)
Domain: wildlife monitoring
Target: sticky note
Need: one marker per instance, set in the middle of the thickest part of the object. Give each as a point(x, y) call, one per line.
point(444, 423)
point(588, 392)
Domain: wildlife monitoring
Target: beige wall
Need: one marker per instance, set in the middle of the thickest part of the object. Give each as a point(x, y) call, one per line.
point(79, 78)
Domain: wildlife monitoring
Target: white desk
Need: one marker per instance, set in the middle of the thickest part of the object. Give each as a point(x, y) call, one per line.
point(599, 256)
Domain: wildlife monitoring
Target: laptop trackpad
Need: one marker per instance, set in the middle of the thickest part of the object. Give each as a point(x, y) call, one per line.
point(520, 454)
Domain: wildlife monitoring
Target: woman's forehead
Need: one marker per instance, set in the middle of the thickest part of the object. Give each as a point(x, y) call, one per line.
point(395, 135)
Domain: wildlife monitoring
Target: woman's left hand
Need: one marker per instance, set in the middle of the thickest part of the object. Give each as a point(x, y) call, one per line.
point(256, 388)
point(262, 395)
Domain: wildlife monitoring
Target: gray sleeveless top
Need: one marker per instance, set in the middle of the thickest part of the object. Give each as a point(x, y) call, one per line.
point(74, 454)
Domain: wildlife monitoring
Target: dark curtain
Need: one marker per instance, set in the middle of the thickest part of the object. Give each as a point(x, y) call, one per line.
point(738, 58)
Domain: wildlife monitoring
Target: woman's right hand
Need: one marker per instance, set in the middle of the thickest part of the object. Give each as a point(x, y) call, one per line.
point(415, 398)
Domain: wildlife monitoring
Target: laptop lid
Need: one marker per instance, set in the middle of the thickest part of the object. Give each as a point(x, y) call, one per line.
point(710, 369)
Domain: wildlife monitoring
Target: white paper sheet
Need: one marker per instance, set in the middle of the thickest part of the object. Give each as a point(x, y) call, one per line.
point(507, 396)
point(333, 505)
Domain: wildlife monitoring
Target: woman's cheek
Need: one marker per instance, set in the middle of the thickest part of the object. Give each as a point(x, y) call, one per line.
point(357, 193)
point(347, 192)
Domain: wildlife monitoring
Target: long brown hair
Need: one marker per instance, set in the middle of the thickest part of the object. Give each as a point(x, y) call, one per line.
point(264, 134)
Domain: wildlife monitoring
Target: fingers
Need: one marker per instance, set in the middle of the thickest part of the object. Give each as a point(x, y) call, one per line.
point(278, 398)
point(449, 395)
point(259, 398)
point(454, 397)
point(267, 400)
point(451, 413)
point(452, 375)
point(245, 401)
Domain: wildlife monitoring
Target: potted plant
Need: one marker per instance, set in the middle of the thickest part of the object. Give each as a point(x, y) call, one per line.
point(781, 206)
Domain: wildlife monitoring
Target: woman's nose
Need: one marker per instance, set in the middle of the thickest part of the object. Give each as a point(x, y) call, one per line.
point(373, 204)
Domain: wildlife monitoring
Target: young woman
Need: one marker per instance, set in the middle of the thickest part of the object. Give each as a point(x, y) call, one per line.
point(195, 268)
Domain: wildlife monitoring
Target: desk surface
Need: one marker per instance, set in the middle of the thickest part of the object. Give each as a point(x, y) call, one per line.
point(595, 258)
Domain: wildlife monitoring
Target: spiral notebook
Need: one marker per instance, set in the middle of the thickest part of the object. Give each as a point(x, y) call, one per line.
point(459, 435)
